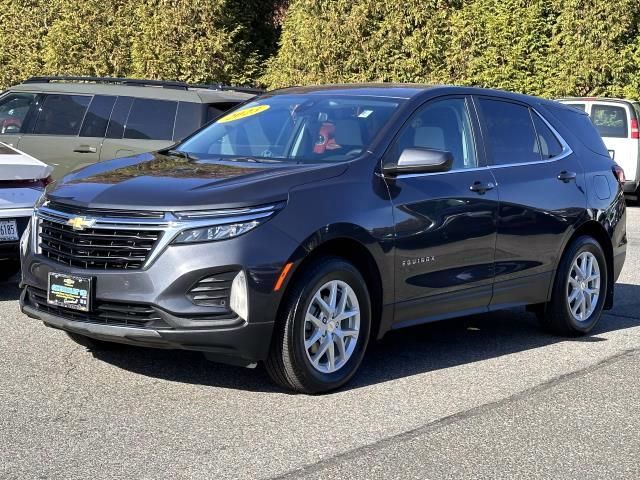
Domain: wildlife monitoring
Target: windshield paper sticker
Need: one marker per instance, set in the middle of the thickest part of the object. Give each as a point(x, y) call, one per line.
point(244, 113)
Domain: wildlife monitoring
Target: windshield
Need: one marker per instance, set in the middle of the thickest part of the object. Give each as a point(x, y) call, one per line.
point(298, 128)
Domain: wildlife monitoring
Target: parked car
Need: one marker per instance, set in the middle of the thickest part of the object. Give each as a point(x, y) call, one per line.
point(617, 122)
point(22, 181)
point(301, 226)
point(71, 122)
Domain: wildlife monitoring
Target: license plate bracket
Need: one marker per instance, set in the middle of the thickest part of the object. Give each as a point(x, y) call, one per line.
point(70, 291)
point(9, 231)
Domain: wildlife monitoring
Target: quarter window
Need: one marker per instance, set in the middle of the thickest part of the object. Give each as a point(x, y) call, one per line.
point(510, 135)
point(61, 114)
point(548, 143)
point(13, 110)
point(610, 121)
point(151, 120)
point(442, 125)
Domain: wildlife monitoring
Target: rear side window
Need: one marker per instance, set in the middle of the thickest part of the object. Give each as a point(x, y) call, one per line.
point(151, 119)
point(190, 117)
point(510, 135)
point(61, 114)
point(610, 120)
point(579, 125)
point(119, 117)
point(97, 118)
point(548, 143)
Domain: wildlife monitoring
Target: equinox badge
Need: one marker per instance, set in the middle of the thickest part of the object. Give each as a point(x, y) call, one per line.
point(80, 223)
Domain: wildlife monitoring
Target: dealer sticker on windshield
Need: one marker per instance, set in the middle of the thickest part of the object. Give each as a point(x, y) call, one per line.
point(244, 113)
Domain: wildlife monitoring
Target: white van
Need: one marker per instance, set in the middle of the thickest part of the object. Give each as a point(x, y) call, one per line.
point(617, 122)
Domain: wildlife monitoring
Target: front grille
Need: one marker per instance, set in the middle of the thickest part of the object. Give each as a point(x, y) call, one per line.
point(213, 291)
point(96, 248)
point(63, 207)
point(103, 313)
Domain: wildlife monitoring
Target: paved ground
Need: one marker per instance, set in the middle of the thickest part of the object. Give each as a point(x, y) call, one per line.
point(485, 397)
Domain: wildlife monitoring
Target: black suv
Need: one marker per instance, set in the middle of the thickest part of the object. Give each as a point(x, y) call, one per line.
point(307, 223)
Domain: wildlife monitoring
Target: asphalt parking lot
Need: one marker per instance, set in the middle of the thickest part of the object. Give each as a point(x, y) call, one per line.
point(488, 396)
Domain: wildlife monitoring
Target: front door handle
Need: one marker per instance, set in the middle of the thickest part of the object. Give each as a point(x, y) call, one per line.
point(85, 149)
point(567, 177)
point(482, 187)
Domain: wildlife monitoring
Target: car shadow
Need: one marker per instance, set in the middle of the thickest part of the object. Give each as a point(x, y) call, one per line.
point(9, 289)
point(401, 353)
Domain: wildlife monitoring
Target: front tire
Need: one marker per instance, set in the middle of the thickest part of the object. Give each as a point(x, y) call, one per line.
point(579, 289)
point(322, 335)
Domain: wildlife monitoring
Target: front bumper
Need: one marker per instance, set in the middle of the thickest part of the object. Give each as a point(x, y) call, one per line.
point(163, 287)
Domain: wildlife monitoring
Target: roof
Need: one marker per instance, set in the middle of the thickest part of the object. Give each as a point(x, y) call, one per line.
point(186, 94)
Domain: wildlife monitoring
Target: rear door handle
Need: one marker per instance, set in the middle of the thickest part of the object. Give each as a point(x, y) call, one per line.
point(481, 187)
point(566, 177)
point(85, 149)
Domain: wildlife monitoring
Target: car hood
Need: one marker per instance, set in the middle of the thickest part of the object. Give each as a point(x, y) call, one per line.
point(154, 181)
point(16, 165)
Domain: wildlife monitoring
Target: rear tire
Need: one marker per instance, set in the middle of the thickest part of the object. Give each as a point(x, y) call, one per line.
point(317, 347)
point(92, 343)
point(579, 290)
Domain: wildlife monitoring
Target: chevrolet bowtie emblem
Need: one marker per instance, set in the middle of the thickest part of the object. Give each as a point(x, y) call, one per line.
point(80, 223)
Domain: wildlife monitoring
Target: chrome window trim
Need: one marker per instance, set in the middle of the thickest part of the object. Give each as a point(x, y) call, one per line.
point(171, 226)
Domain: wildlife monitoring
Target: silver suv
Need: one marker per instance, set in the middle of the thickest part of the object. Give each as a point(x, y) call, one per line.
point(72, 122)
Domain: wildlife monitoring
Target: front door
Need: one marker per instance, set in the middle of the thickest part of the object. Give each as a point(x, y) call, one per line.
point(445, 222)
point(15, 109)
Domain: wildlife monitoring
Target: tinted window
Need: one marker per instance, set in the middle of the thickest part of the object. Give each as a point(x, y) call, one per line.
point(549, 145)
point(442, 125)
point(61, 114)
point(579, 125)
point(13, 110)
point(511, 137)
point(97, 118)
point(151, 119)
point(190, 118)
point(610, 121)
point(119, 117)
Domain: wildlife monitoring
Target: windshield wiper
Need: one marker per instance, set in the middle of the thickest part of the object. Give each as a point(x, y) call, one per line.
point(179, 153)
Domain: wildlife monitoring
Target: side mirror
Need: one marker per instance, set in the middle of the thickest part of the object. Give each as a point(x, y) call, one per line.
point(420, 160)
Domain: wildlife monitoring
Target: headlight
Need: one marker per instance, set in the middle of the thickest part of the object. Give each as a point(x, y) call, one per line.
point(215, 225)
point(219, 232)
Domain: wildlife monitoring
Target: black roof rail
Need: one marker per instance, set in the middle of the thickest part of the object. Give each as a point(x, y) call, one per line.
point(122, 81)
point(144, 83)
point(221, 86)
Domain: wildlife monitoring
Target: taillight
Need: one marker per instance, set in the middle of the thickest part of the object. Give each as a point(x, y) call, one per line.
point(635, 131)
point(619, 173)
point(35, 183)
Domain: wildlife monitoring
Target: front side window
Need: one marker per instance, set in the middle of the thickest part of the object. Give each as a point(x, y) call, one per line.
point(610, 121)
point(442, 125)
point(151, 119)
point(13, 110)
point(510, 135)
point(61, 114)
point(309, 128)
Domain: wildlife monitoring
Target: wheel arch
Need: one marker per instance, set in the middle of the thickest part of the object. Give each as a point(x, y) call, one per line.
point(596, 230)
point(365, 255)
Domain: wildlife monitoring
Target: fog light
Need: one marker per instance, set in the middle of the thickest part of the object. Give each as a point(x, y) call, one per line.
point(239, 301)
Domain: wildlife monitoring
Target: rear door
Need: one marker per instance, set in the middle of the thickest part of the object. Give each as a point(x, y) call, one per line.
point(139, 125)
point(445, 222)
point(54, 135)
point(541, 197)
